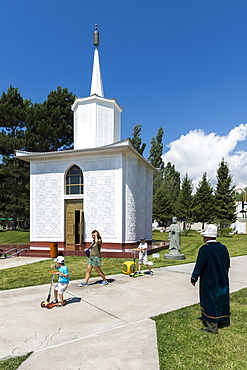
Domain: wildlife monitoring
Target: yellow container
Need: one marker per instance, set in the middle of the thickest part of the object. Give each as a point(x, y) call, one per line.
point(128, 267)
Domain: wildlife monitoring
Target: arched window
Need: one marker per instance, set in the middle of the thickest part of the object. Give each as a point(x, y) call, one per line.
point(74, 181)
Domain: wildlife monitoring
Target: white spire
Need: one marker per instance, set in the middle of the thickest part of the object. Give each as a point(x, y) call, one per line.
point(97, 120)
point(96, 83)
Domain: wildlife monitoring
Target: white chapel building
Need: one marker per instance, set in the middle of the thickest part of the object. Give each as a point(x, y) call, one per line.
point(102, 184)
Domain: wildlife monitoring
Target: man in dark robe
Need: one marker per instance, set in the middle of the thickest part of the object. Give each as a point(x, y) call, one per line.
point(212, 266)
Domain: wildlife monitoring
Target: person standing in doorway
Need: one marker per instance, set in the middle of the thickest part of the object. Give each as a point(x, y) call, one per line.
point(212, 266)
point(94, 259)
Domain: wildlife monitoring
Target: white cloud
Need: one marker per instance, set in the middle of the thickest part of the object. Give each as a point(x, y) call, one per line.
point(196, 153)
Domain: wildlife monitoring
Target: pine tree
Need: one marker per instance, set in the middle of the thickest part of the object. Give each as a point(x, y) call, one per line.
point(136, 140)
point(225, 205)
point(156, 150)
point(203, 201)
point(13, 111)
point(50, 124)
point(166, 191)
point(14, 189)
point(172, 177)
point(163, 209)
point(184, 209)
point(39, 127)
point(14, 174)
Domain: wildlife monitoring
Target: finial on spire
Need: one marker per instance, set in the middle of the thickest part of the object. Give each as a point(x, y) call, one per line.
point(96, 84)
point(96, 36)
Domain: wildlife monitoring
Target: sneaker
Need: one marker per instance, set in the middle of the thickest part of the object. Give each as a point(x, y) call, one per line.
point(61, 304)
point(83, 284)
point(104, 282)
point(151, 272)
point(54, 301)
point(137, 272)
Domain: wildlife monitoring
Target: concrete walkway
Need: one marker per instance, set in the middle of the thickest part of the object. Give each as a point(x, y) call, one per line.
point(6, 263)
point(101, 327)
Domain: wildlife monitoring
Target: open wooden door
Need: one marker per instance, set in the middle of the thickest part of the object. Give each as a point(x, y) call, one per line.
point(74, 221)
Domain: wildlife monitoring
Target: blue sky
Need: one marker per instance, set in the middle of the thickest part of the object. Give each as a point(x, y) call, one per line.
point(180, 65)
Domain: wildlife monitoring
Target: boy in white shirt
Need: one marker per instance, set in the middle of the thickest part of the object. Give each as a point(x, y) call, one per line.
point(143, 256)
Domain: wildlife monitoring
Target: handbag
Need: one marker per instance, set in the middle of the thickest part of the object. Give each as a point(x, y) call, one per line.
point(87, 251)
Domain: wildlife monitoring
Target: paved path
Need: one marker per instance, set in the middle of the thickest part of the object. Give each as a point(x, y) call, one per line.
point(102, 327)
point(6, 263)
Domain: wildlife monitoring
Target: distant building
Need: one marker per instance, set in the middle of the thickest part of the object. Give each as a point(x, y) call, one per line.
point(103, 183)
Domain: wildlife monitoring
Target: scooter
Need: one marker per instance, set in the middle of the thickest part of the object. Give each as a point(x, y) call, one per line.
point(135, 273)
point(48, 304)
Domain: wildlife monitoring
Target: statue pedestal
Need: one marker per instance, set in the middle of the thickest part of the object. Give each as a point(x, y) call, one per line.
point(174, 256)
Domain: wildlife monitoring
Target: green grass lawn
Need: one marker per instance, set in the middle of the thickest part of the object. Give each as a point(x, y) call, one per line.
point(14, 237)
point(13, 363)
point(38, 273)
point(236, 244)
point(182, 345)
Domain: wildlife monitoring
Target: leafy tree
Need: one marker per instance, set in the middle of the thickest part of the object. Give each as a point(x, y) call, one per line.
point(225, 206)
point(136, 140)
point(203, 201)
point(156, 150)
point(184, 209)
point(50, 124)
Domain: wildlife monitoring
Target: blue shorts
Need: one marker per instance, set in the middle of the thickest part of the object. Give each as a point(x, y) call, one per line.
point(94, 261)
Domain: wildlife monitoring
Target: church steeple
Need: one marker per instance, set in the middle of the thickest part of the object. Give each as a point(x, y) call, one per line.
point(96, 83)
